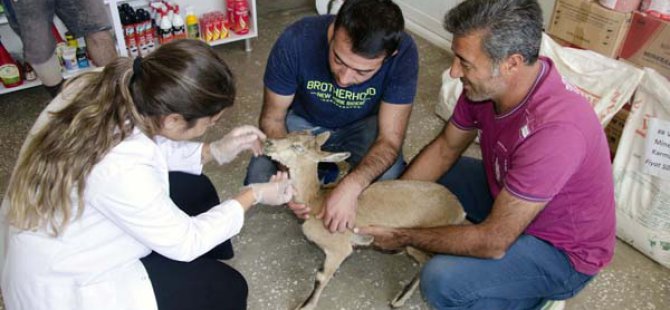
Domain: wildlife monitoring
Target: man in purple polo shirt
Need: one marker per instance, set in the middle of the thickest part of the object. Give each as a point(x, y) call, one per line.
point(541, 200)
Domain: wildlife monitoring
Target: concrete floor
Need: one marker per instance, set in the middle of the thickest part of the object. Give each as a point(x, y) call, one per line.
point(277, 261)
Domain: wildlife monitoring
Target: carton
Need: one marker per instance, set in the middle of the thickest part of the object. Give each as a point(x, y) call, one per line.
point(648, 43)
point(588, 25)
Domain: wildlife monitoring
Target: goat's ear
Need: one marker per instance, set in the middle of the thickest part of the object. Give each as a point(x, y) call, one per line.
point(334, 157)
point(322, 138)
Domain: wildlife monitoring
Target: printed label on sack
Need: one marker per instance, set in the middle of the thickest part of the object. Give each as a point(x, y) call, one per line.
point(657, 149)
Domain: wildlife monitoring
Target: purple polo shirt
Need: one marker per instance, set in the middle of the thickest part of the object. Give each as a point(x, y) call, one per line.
point(551, 148)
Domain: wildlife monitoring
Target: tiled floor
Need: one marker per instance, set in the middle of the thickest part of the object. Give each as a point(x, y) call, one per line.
point(277, 261)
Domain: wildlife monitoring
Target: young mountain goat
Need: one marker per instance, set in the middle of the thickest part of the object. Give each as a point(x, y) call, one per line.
point(397, 203)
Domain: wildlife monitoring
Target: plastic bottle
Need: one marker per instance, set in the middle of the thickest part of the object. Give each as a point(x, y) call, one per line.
point(192, 26)
point(29, 72)
point(9, 71)
point(178, 29)
point(71, 40)
point(82, 58)
point(149, 37)
point(165, 28)
point(60, 44)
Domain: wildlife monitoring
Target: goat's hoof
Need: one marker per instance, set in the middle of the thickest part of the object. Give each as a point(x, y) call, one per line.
point(361, 240)
point(399, 301)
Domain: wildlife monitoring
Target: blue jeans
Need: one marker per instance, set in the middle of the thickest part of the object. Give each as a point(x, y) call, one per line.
point(356, 138)
point(532, 271)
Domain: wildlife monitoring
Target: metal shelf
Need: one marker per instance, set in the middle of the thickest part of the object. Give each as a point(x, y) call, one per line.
point(26, 84)
point(37, 82)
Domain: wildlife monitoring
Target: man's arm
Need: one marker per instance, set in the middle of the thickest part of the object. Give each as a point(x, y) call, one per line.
point(490, 239)
point(393, 119)
point(273, 115)
point(440, 154)
point(340, 211)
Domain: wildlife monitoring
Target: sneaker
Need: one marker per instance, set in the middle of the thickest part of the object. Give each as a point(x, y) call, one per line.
point(553, 305)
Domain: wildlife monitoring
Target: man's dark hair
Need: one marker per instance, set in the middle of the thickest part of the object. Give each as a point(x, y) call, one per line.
point(510, 26)
point(375, 27)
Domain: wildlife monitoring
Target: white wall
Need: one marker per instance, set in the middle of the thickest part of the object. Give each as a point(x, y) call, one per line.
point(424, 18)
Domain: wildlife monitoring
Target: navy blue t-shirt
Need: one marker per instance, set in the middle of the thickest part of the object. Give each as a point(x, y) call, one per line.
point(298, 65)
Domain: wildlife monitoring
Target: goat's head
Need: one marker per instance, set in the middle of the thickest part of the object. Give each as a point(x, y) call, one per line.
point(300, 148)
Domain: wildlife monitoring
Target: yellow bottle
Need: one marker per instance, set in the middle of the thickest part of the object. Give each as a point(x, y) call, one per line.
point(192, 26)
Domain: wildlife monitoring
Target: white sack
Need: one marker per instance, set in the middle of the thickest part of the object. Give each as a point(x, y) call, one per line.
point(642, 185)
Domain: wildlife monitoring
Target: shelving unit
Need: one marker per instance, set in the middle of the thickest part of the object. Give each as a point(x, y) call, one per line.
point(200, 7)
point(37, 82)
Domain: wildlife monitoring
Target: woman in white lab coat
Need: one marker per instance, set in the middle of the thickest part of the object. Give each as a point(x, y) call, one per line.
point(91, 221)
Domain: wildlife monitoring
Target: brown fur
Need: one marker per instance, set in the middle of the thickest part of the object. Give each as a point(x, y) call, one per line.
point(397, 203)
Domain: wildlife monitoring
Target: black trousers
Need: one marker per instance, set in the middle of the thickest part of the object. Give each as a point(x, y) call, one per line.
point(204, 283)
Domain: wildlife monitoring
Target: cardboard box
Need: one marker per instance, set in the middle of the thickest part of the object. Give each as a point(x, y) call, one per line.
point(648, 43)
point(615, 128)
point(588, 25)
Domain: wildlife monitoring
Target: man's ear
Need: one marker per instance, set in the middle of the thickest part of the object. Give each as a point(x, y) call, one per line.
point(512, 64)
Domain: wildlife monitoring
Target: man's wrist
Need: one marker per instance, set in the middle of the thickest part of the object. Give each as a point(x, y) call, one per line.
point(355, 183)
point(404, 236)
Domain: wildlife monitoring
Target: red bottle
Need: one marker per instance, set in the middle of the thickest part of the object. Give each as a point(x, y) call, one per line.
point(9, 71)
point(241, 22)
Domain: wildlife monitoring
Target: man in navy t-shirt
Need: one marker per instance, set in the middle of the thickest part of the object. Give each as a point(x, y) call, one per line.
point(353, 75)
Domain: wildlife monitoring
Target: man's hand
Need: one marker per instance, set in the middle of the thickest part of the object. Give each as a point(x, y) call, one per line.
point(385, 238)
point(300, 210)
point(339, 210)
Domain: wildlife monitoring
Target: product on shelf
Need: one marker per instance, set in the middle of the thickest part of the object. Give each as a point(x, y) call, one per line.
point(9, 71)
point(213, 26)
point(29, 73)
point(138, 30)
point(127, 16)
point(165, 31)
point(178, 29)
point(192, 27)
point(82, 58)
point(71, 40)
point(241, 17)
point(230, 10)
point(60, 44)
point(70, 58)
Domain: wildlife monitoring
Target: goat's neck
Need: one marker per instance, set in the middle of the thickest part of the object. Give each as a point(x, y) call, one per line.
point(306, 182)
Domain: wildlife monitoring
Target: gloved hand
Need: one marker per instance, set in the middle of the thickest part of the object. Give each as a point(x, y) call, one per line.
point(237, 140)
point(276, 192)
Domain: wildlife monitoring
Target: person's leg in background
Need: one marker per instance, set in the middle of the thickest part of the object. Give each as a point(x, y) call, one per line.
point(195, 194)
point(467, 180)
point(89, 19)
point(357, 138)
point(31, 20)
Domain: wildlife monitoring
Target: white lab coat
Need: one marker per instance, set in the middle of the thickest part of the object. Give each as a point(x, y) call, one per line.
point(95, 262)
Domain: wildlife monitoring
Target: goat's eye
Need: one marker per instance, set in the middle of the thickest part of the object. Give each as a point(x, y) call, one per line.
point(297, 148)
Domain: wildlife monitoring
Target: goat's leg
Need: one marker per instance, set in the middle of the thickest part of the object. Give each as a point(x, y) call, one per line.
point(407, 291)
point(335, 255)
